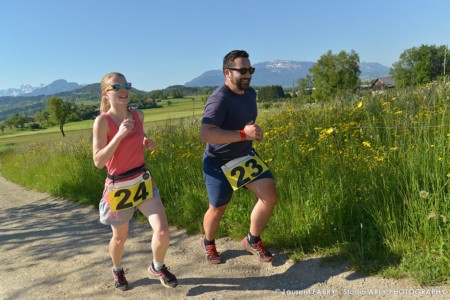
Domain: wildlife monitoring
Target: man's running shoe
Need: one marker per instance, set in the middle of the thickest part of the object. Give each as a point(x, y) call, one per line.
point(167, 279)
point(258, 250)
point(120, 281)
point(212, 256)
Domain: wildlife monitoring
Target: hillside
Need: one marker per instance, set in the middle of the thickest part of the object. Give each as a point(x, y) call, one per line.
point(28, 105)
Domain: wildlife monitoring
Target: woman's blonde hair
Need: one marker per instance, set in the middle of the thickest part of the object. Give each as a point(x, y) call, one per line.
point(104, 84)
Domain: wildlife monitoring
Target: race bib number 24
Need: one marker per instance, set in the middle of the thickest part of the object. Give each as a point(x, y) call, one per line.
point(130, 193)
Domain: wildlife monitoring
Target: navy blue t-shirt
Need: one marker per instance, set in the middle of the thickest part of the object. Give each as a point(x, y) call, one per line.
point(230, 111)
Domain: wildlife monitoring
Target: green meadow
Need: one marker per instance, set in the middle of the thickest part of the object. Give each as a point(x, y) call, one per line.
point(364, 178)
point(167, 109)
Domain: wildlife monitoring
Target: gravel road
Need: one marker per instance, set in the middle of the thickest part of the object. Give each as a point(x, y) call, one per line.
point(54, 249)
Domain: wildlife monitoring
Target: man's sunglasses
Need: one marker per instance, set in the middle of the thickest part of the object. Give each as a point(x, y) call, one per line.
point(116, 87)
point(244, 71)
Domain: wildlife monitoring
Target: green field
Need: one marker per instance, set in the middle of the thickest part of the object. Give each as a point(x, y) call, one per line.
point(179, 108)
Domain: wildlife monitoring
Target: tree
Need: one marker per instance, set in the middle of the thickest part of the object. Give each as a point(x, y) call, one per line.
point(9, 122)
point(42, 117)
point(59, 111)
point(273, 92)
point(336, 74)
point(20, 121)
point(84, 112)
point(420, 65)
point(157, 94)
point(17, 121)
point(305, 85)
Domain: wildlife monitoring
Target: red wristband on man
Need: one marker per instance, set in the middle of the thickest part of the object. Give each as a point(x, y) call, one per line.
point(243, 135)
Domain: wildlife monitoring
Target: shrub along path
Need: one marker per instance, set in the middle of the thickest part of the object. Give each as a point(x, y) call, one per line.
point(54, 249)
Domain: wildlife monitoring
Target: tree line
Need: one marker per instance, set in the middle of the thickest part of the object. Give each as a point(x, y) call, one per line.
point(57, 112)
point(337, 74)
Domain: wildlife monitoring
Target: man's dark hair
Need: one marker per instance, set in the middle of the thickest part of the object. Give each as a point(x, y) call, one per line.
point(231, 56)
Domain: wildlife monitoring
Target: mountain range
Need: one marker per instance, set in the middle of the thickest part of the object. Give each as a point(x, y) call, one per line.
point(276, 72)
point(55, 87)
point(283, 72)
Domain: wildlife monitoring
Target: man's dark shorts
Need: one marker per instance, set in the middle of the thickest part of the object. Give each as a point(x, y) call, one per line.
point(217, 185)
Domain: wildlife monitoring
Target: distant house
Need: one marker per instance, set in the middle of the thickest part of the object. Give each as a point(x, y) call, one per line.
point(383, 83)
point(364, 87)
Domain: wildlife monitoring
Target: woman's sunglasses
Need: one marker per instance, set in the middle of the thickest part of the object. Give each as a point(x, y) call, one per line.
point(116, 87)
point(243, 71)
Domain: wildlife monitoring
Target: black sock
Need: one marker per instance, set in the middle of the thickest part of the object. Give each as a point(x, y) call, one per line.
point(253, 239)
point(207, 242)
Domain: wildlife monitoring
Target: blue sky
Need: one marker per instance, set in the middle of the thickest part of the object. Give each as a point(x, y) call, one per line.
point(161, 43)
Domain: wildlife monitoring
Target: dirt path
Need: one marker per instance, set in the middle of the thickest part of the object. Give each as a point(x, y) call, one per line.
point(54, 249)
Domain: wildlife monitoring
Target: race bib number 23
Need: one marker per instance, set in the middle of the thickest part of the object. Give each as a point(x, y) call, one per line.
point(243, 170)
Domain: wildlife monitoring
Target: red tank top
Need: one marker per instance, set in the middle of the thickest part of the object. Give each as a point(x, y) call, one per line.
point(130, 152)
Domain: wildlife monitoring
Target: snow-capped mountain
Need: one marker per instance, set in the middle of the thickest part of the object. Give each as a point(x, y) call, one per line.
point(283, 72)
point(281, 65)
point(55, 87)
point(23, 89)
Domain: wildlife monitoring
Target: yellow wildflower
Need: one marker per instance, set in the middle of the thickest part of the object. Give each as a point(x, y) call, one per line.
point(423, 194)
point(432, 215)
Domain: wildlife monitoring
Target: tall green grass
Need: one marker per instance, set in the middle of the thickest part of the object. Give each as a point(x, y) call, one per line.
point(365, 176)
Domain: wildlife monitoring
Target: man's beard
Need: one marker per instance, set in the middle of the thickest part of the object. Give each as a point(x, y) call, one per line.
point(242, 84)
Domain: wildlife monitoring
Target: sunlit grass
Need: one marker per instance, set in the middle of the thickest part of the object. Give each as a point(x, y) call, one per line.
point(365, 178)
